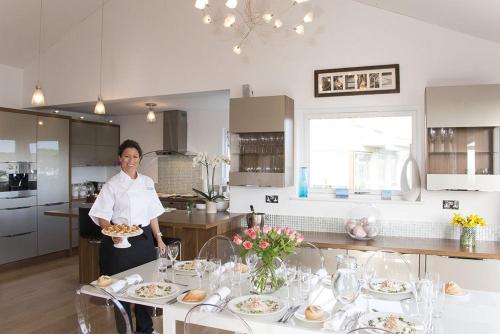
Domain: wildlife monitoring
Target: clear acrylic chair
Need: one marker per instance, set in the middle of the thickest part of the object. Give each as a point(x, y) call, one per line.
point(201, 320)
point(307, 254)
point(368, 330)
point(218, 247)
point(382, 267)
point(95, 316)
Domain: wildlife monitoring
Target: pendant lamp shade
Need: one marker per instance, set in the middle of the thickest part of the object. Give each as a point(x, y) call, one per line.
point(99, 109)
point(151, 117)
point(38, 99)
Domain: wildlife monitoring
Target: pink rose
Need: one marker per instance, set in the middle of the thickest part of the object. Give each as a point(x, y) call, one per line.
point(300, 238)
point(266, 228)
point(292, 236)
point(256, 228)
point(237, 240)
point(252, 234)
point(278, 230)
point(264, 244)
point(247, 245)
point(287, 231)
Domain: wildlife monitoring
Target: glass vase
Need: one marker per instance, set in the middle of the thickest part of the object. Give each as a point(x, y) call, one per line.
point(468, 237)
point(303, 182)
point(268, 276)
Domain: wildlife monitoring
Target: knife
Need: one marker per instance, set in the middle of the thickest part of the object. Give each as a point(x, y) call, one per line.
point(292, 312)
point(174, 300)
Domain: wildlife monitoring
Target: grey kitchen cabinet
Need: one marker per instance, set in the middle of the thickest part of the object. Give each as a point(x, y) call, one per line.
point(52, 231)
point(18, 233)
point(99, 150)
point(17, 136)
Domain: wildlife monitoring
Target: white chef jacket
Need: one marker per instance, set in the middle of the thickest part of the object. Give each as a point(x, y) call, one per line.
point(123, 200)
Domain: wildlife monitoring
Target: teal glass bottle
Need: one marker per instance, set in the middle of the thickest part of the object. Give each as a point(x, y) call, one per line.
point(303, 182)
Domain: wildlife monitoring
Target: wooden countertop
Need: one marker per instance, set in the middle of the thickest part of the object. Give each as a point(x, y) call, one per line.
point(178, 218)
point(428, 246)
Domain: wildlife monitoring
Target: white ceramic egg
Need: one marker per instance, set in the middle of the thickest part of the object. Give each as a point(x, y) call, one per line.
point(371, 231)
point(359, 232)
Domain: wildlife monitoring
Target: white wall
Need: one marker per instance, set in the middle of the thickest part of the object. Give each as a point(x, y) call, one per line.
point(161, 47)
point(11, 86)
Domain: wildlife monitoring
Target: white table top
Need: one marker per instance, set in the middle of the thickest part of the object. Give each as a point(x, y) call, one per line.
point(477, 312)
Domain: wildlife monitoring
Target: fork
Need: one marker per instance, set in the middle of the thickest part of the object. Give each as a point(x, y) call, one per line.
point(285, 314)
point(292, 312)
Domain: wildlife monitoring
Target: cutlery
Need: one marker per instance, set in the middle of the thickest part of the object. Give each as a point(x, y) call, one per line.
point(169, 281)
point(285, 314)
point(292, 312)
point(174, 300)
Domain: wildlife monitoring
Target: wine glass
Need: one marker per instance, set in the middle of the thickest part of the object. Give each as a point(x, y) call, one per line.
point(304, 275)
point(214, 273)
point(451, 133)
point(200, 264)
point(443, 134)
point(251, 260)
point(432, 139)
point(173, 252)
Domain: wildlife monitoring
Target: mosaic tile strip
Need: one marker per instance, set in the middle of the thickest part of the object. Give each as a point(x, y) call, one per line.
point(414, 229)
point(176, 174)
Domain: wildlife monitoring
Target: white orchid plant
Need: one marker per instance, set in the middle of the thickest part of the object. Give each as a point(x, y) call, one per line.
point(210, 163)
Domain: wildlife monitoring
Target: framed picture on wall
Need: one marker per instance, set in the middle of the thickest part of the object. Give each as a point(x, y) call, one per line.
point(380, 79)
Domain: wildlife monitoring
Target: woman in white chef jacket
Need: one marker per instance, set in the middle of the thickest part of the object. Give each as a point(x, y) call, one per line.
point(129, 198)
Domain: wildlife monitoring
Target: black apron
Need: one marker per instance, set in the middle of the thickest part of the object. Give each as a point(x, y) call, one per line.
point(115, 260)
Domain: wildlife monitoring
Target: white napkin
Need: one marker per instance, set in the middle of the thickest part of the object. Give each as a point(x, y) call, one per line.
point(120, 284)
point(318, 276)
point(337, 320)
point(219, 295)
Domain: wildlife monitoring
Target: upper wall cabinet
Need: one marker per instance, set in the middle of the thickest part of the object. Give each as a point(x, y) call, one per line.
point(17, 136)
point(94, 144)
point(463, 138)
point(261, 141)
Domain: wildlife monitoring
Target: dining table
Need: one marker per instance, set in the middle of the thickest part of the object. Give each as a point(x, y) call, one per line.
point(474, 312)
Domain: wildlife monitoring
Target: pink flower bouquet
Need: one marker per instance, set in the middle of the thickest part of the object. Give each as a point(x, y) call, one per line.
point(269, 244)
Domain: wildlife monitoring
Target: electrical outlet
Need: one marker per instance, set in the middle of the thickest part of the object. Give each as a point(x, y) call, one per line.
point(450, 204)
point(271, 198)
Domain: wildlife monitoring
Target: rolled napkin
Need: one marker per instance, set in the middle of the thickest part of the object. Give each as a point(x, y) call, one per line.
point(337, 320)
point(120, 284)
point(215, 298)
point(318, 276)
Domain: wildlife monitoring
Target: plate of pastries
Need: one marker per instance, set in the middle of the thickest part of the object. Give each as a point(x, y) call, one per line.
point(122, 230)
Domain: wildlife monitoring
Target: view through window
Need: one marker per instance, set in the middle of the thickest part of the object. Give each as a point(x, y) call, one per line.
point(359, 153)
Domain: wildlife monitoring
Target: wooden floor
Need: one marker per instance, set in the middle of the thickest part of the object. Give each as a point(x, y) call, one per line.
point(40, 298)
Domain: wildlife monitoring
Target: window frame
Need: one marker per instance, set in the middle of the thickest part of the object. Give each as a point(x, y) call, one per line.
point(335, 113)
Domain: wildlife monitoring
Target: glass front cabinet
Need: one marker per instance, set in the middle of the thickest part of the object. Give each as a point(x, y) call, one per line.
point(463, 138)
point(261, 141)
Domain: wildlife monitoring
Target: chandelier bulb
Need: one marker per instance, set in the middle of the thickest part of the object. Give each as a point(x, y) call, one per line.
point(99, 109)
point(299, 29)
point(268, 17)
point(207, 19)
point(278, 23)
point(308, 18)
point(299, 1)
point(201, 4)
point(231, 4)
point(38, 99)
point(229, 21)
point(237, 49)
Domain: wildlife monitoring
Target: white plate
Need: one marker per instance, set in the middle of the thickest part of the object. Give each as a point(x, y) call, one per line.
point(179, 299)
point(128, 235)
point(302, 317)
point(94, 283)
point(179, 264)
point(364, 321)
point(369, 287)
point(132, 290)
point(464, 294)
point(170, 209)
point(233, 305)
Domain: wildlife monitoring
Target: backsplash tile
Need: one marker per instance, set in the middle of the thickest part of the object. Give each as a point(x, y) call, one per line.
point(414, 229)
point(176, 174)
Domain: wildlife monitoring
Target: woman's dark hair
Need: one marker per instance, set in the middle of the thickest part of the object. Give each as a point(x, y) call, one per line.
point(129, 144)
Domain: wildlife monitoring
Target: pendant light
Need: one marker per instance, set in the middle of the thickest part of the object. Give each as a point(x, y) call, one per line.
point(151, 117)
point(38, 99)
point(100, 109)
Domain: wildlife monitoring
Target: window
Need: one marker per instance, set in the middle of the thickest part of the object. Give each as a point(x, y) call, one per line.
point(362, 152)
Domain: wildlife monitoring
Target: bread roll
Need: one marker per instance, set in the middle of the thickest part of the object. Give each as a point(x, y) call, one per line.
point(103, 281)
point(452, 288)
point(314, 312)
point(195, 295)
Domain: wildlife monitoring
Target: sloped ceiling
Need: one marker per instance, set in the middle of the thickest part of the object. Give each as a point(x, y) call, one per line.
point(19, 20)
point(479, 18)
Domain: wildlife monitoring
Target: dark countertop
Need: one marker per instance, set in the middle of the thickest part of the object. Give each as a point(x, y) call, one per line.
point(429, 246)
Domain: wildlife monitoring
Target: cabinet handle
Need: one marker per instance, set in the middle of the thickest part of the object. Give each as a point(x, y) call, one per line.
point(17, 235)
point(18, 208)
point(464, 258)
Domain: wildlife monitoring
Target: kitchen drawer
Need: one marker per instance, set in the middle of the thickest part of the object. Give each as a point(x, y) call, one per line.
point(18, 247)
point(52, 231)
point(17, 220)
point(413, 260)
point(468, 273)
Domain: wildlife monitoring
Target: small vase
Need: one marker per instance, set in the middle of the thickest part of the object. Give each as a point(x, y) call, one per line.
point(303, 183)
point(211, 207)
point(468, 237)
point(267, 278)
point(410, 192)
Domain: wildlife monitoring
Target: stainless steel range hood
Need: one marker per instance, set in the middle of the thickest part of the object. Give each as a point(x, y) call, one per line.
point(174, 133)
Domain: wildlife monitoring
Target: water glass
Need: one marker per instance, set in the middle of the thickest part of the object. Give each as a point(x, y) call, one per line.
point(305, 276)
point(235, 269)
point(161, 263)
point(214, 274)
point(251, 260)
point(200, 264)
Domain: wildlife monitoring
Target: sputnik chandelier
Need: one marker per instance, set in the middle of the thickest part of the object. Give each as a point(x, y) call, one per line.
point(248, 16)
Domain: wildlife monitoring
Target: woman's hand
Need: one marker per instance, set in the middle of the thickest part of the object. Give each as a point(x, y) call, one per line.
point(161, 246)
point(117, 240)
